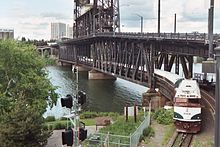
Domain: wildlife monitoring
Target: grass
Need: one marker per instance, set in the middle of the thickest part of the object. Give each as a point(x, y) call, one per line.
point(208, 143)
point(168, 133)
point(121, 127)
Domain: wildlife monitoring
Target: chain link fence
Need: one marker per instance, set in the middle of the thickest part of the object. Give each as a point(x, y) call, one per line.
point(109, 140)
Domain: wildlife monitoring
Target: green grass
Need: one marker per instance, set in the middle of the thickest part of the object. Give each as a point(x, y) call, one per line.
point(121, 127)
point(168, 133)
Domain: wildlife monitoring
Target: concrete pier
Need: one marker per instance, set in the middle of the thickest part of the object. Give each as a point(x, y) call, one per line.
point(96, 75)
point(157, 101)
point(80, 68)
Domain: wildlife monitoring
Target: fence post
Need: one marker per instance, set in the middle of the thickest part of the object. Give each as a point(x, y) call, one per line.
point(130, 139)
point(108, 139)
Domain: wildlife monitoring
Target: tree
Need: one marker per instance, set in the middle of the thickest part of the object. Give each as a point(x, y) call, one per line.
point(23, 104)
point(23, 39)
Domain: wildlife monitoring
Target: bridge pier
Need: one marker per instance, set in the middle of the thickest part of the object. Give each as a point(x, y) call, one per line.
point(153, 97)
point(80, 68)
point(96, 75)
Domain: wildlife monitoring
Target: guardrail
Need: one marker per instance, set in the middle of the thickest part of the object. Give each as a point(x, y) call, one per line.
point(177, 36)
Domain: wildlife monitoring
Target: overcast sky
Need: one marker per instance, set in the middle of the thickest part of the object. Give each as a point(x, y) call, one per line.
point(32, 18)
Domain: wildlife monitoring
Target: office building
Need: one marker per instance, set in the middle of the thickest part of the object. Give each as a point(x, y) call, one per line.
point(58, 31)
point(6, 34)
point(69, 31)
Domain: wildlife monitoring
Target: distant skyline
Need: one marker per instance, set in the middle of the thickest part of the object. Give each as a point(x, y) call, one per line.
point(32, 18)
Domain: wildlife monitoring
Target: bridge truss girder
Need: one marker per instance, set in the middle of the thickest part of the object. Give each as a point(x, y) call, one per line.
point(133, 59)
point(101, 16)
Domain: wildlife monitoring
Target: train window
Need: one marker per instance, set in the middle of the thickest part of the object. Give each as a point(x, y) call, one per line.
point(195, 101)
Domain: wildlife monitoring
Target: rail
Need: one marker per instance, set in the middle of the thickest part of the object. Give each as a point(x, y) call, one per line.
point(209, 100)
point(181, 140)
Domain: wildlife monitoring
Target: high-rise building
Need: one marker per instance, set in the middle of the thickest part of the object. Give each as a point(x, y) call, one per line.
point(6, 34)
point(58, 31)
point(69, 31)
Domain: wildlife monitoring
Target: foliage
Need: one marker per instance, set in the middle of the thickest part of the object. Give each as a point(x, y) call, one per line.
point(90, 114)
point(61, 124)
point(169, 130)
point(50, 118)
point(23, 103)
point(121, 127)
point(148, 132)
point(163, 116)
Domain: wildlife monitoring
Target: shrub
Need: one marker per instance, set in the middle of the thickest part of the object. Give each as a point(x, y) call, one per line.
point(50, 118)
point(88, 114)
point(148, 132)
point(141, 138)
point(59, 125)
point(163, 116)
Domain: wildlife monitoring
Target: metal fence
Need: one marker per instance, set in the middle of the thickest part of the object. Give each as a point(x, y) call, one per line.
point(109, 140)
point(134, 138)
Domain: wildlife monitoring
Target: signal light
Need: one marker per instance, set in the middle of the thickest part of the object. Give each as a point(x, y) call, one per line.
point(82, 134)
point(67, 137)
point(67, 101)
point(81, 97)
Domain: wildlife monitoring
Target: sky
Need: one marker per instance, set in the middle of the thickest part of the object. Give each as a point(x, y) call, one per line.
point(32, 18)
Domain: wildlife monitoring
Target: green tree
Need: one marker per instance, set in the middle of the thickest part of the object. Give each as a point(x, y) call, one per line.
point(23, 101)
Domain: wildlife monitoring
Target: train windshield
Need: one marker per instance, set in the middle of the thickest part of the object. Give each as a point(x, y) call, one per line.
point(187, 101)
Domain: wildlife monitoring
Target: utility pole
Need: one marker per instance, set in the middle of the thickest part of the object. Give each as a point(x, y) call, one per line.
point(119, 17)
point(158, 18)
point(217, 99)
point(210, 28)
point(142, 24)
point(175, 23)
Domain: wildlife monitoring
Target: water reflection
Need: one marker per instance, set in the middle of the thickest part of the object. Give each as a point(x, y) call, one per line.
point(103, 95)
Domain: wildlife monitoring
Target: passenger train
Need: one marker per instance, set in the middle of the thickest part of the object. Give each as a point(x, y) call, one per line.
point(187, 108)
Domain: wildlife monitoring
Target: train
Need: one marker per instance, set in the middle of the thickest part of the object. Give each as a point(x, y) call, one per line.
point(187, 107)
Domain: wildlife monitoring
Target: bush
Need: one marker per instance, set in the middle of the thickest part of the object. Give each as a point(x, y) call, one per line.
point(59, 125)
point(88, 114)
point(50, 118)
point(148, 132)
point(141, 138)
point(163, 116)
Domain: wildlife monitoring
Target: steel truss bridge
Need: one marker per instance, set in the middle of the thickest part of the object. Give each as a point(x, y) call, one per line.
point(131, 56)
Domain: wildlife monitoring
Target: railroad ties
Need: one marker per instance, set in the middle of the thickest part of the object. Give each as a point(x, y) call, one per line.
point(181, 140)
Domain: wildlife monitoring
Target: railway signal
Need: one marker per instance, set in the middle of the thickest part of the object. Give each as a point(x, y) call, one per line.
point(82, 134)
point(67, 137)
point(81, 97)
point(67, 101)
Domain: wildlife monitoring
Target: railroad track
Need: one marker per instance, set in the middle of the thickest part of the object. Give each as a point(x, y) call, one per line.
point(208, 98)
point(182, 140)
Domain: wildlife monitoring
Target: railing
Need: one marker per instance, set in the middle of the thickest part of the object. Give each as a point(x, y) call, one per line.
point(202, 37)
point(134, 138)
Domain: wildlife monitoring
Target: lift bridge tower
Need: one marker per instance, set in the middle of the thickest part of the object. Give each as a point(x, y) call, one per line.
point(94, 16)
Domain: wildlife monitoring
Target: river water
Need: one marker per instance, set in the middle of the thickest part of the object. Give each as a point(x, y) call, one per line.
point(103, 95)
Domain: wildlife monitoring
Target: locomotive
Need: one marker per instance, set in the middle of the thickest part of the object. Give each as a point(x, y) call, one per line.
point(187, 107)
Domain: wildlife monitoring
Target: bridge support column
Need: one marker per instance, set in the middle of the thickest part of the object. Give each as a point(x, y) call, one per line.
point(154, 98)
point(80, 68)
point(96, 75)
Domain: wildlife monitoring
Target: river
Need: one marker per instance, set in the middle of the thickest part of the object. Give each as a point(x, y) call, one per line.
point(102, 95)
